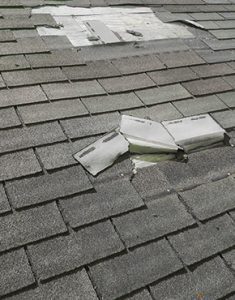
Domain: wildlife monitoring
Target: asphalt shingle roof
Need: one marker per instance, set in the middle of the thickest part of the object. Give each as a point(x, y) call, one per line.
point(166, 233)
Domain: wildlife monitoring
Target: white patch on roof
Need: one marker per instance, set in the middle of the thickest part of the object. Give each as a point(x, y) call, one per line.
point(109, 25)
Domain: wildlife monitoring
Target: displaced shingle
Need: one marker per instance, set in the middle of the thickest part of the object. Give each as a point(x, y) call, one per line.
point(211, 280)
point(26, 137)
point(172, 76)
point(15, 272)
point(200, 105)
point(13, 62)
point(199, 243)
point(225, 118)
point(52, 111)
point(91, 70)
point(8, 118)
point(86, 126)
point(29, 77)
point(207, 86)
point(228, 98)
point(213, 70)
point(134, 270)
point(54, 59)
point(24, 95)
point(126, 83)
point(163, 94)
point(163, 216)
point(109, 199)
point(31, 225)
point(112, 102)
point(18, 164)
point(4, 204)
point(63, 254)
point(48, 187)
point(73, 90)
point(138, 64)
point(211, 199)
point(180, 59)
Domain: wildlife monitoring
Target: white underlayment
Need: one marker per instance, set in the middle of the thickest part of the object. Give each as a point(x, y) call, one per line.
point(117, 19)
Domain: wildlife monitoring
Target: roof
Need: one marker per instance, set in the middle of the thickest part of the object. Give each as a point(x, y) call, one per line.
point(166, 233)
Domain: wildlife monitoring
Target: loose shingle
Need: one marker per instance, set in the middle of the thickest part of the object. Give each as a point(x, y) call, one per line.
point(213, 70)
point(200, 105)
point(18, 164)
point(24, 95)
point(138, 64)
point(172, 76)
point(228, 98)
point(73, 90)
point(48, 187)
point(207, 86)
point(199, 243)
point(211, 199)
point(134, 270)
point(163, 94)
point(13, 62)
point(4, 204)
point(91, 70)
point(26, 137)
point(8, 118)
point(225, 118)
point(211, 280)
point(52, 111)
point(15, 272)
point(86, 126)
point(29, 77)
point(163, 216)
point(109, 199)
point(63, 254)
point(126, 83)
point(112, 102)
point(31, 225)
point(180, 59)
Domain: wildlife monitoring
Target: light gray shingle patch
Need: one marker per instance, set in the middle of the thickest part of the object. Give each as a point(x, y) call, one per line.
point(8, 118)
point(15, 272)
point(24, 46)
point(172, 76)
point(4, 204)
point(228, 98)
point(180, 59)
point(6, 36)
point(81, 127)
point(200, 105)
point(112, 102)
point(223, 34)
point(13, 62)
point(134, 270)
point(163, 94)
point(72, 90)
point(31, 225)
point(225, 118)
point(206, 16)
point(43, 20)
point(210, 280)
point(211, 199)
point(207, 86)
point(213, 70)
point(26, 137)
point(74, 286)
point(63, 254)
point(109, 199)
point(138, 64)
point(163, 216)
point(24, 95)
point(52, 111)
point(56, 42)
point(209, 239)
point(29, 77)
point(230, 258)
point(126, 83)
point(91, 70)
point(217, 56)
point(43, 188)
point(18, 164)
